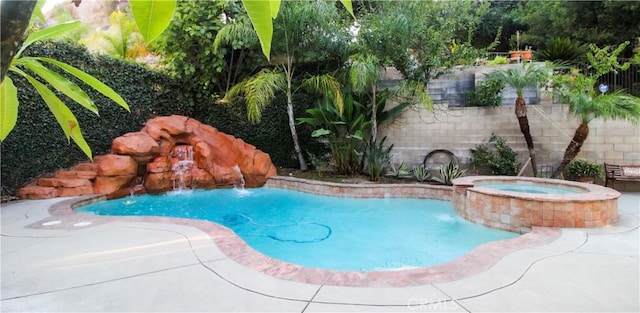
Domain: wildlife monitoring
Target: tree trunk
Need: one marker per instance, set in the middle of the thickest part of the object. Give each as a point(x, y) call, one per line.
point(374, 116)
point(292, 124)
point(15, 20)
point(523, 120)
point(573, 148)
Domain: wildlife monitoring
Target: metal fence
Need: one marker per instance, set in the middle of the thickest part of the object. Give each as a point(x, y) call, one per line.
point(628, 80)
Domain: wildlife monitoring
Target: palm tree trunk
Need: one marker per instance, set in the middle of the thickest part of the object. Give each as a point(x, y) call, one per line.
point(523, 120)
point(573, 148)
point(292, 124)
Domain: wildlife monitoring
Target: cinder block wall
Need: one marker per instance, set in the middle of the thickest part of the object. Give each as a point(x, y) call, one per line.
point(457, 129)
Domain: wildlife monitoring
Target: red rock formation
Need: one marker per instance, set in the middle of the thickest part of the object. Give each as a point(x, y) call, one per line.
point(218, 154)
point(140, 146)
point(167, 151)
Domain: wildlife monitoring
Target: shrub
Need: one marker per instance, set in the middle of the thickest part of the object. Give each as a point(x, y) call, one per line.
point(501, 162)
point(499, 60)
point(37, 145)
point(581, 168)
point(487, 93)
point(563, 50)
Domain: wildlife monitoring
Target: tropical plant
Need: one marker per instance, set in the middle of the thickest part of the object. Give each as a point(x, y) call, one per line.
point(121, 40)
point(364, 73)
point(562, 51)
point(63, 115)
point(487, 93)
point(502, 161)
point(240, 38)
point(263, 12)
point(201, 47)
point(298, 38)
point(520, 77)
point(578, 91)
point(421, 172)
point(402, 170)
point(448, 173)
point(344, 131)
point(376, 158)
point(153, 18)
point(582, 168)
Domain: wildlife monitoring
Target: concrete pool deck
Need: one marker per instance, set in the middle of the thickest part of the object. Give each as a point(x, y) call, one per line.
point(119, 265)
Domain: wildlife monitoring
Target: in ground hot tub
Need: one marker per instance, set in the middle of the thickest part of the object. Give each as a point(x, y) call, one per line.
point(518, 203)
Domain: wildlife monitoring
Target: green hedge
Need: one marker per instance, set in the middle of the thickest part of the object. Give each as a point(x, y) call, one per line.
point(272, 134)
point(37, 145)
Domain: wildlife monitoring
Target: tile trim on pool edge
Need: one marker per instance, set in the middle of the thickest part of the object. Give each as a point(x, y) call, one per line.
point(477, 261)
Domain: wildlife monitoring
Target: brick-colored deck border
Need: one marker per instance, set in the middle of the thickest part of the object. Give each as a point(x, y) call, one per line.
point(472, 263)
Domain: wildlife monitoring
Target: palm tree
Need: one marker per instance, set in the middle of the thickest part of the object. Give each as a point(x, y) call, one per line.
point(520, 77)
point(298, 36)
point(363, 76)
point(578, 92)
point(238, 34)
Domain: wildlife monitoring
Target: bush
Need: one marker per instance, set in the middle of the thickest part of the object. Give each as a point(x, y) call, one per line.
point(501, 162)
point(581, 168)
point(487, 93)
point(499, 60)
point(563, 51)
point(37, 145)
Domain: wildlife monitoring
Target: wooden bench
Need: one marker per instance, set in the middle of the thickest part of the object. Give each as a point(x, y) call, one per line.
point(615, 173)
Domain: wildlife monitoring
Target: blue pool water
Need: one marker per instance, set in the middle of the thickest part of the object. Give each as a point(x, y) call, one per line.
point(531, 188)
point(321, 231)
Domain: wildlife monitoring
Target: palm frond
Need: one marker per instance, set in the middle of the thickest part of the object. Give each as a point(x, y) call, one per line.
point(326, 85)
point(364, 71)
point(615, 105)
point(260, 90)
point(235, 32)
point(234, 92)
point(520, 77)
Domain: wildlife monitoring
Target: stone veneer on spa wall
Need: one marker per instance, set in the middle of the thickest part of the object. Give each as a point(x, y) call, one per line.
point(596, 206)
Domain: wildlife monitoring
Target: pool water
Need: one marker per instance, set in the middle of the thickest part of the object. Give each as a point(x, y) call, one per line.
point(321, 231)
point(531, 188)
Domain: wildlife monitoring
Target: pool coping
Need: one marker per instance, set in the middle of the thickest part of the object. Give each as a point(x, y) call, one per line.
point(475, 262)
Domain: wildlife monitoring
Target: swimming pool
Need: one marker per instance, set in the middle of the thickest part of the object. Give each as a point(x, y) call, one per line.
point(325, 232)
